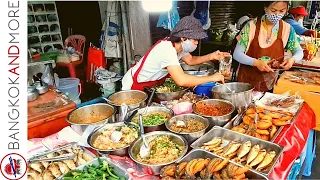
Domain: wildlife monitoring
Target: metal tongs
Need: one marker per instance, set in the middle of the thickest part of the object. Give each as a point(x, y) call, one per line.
point(38, 157)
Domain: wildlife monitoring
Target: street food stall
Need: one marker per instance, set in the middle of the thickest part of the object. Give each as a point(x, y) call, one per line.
point(186, 134)
point(166, 131)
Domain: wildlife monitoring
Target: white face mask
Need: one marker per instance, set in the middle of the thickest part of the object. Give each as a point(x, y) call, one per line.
point(300, 22)
point(188, 46)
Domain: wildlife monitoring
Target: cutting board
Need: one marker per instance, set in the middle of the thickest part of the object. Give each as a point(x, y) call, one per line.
point(47, 105)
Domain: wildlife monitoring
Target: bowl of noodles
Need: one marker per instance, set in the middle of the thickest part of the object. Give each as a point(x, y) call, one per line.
point(101, 141)
point(217, 111)
point(165, 148)
point(154, 118)
point(169, 90)
point(195, 126)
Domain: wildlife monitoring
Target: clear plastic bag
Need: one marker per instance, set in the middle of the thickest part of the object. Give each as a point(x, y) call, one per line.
point(225, 66)
point(136, 171)
point(47, 78)
point(284, 100)
point(182, 108)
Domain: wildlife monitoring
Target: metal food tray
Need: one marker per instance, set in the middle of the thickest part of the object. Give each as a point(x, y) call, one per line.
point(228, 135)
point(199, 153)
point(231, 124)
point(119, 171)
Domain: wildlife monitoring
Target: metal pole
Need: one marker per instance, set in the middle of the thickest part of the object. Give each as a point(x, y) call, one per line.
point(126, 35)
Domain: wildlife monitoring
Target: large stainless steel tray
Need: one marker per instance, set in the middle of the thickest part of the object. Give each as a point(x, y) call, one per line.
point(199, 153)
point(119, 171)
point(235, 122)
point(228, 135)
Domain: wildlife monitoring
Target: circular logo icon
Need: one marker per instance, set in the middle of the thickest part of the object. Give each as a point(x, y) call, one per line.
point(13, 166)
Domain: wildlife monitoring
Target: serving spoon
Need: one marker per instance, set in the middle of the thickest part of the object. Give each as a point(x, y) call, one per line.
point(144, 148)
point(117, 135)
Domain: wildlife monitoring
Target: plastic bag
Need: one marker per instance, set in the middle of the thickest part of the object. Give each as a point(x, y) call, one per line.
point(283, 101)
point(168, 20)
point(182, 108)
point(225, 66)
point(191, 97)
point(202, 13)
point(136, 171)
point(47, 78)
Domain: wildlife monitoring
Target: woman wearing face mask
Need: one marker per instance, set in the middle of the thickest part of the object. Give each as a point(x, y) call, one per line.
point(266, 36)
point(295, 19)
point(162, 60)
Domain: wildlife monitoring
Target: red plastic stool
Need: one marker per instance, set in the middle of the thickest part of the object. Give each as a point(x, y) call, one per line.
point(78, 43)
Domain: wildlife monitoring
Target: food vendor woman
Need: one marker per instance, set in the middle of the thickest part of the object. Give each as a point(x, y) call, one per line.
point(295, 19)
point(266, 36)
point(163, 59)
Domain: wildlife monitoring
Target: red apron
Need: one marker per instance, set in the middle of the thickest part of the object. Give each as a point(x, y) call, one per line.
point(262, 81)
point(141, 85)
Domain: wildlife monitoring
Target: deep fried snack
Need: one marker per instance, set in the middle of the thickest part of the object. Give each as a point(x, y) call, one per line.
point(265, 137)
point(273, 131)
point(278, 122)
point(250, 111)
point(285, 118)
point(221, 165)
point(248, 120)
point(240, 171)
point(168, 170)
point(264, 124)
point(262, 132)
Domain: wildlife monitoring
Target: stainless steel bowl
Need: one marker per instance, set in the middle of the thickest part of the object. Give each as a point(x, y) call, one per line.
point(190, 137)
point(216, 120)
point(33, 94)
point(125, 95)
point(162, 96)
point(42, 89)
point(159, 127)
point(205, 69)
point(120, 151)
point(86, 112)
point(240, 99)
point(135, 148)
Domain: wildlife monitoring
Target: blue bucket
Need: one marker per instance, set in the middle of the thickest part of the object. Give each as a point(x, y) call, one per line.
point(205, 89)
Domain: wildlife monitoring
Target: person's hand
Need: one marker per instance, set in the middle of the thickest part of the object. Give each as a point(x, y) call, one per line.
point(217, 55)
point(262, 65)
point(287, 63)
point(218, 77)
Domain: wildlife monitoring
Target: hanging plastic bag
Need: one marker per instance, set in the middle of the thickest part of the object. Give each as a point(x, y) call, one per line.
point(168, 20)
point(201, 12)
point(136, 171)
point(112, 30)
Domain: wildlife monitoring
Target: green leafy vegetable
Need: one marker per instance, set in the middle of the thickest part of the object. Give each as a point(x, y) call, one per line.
point(102, 171)
point(169, 86)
